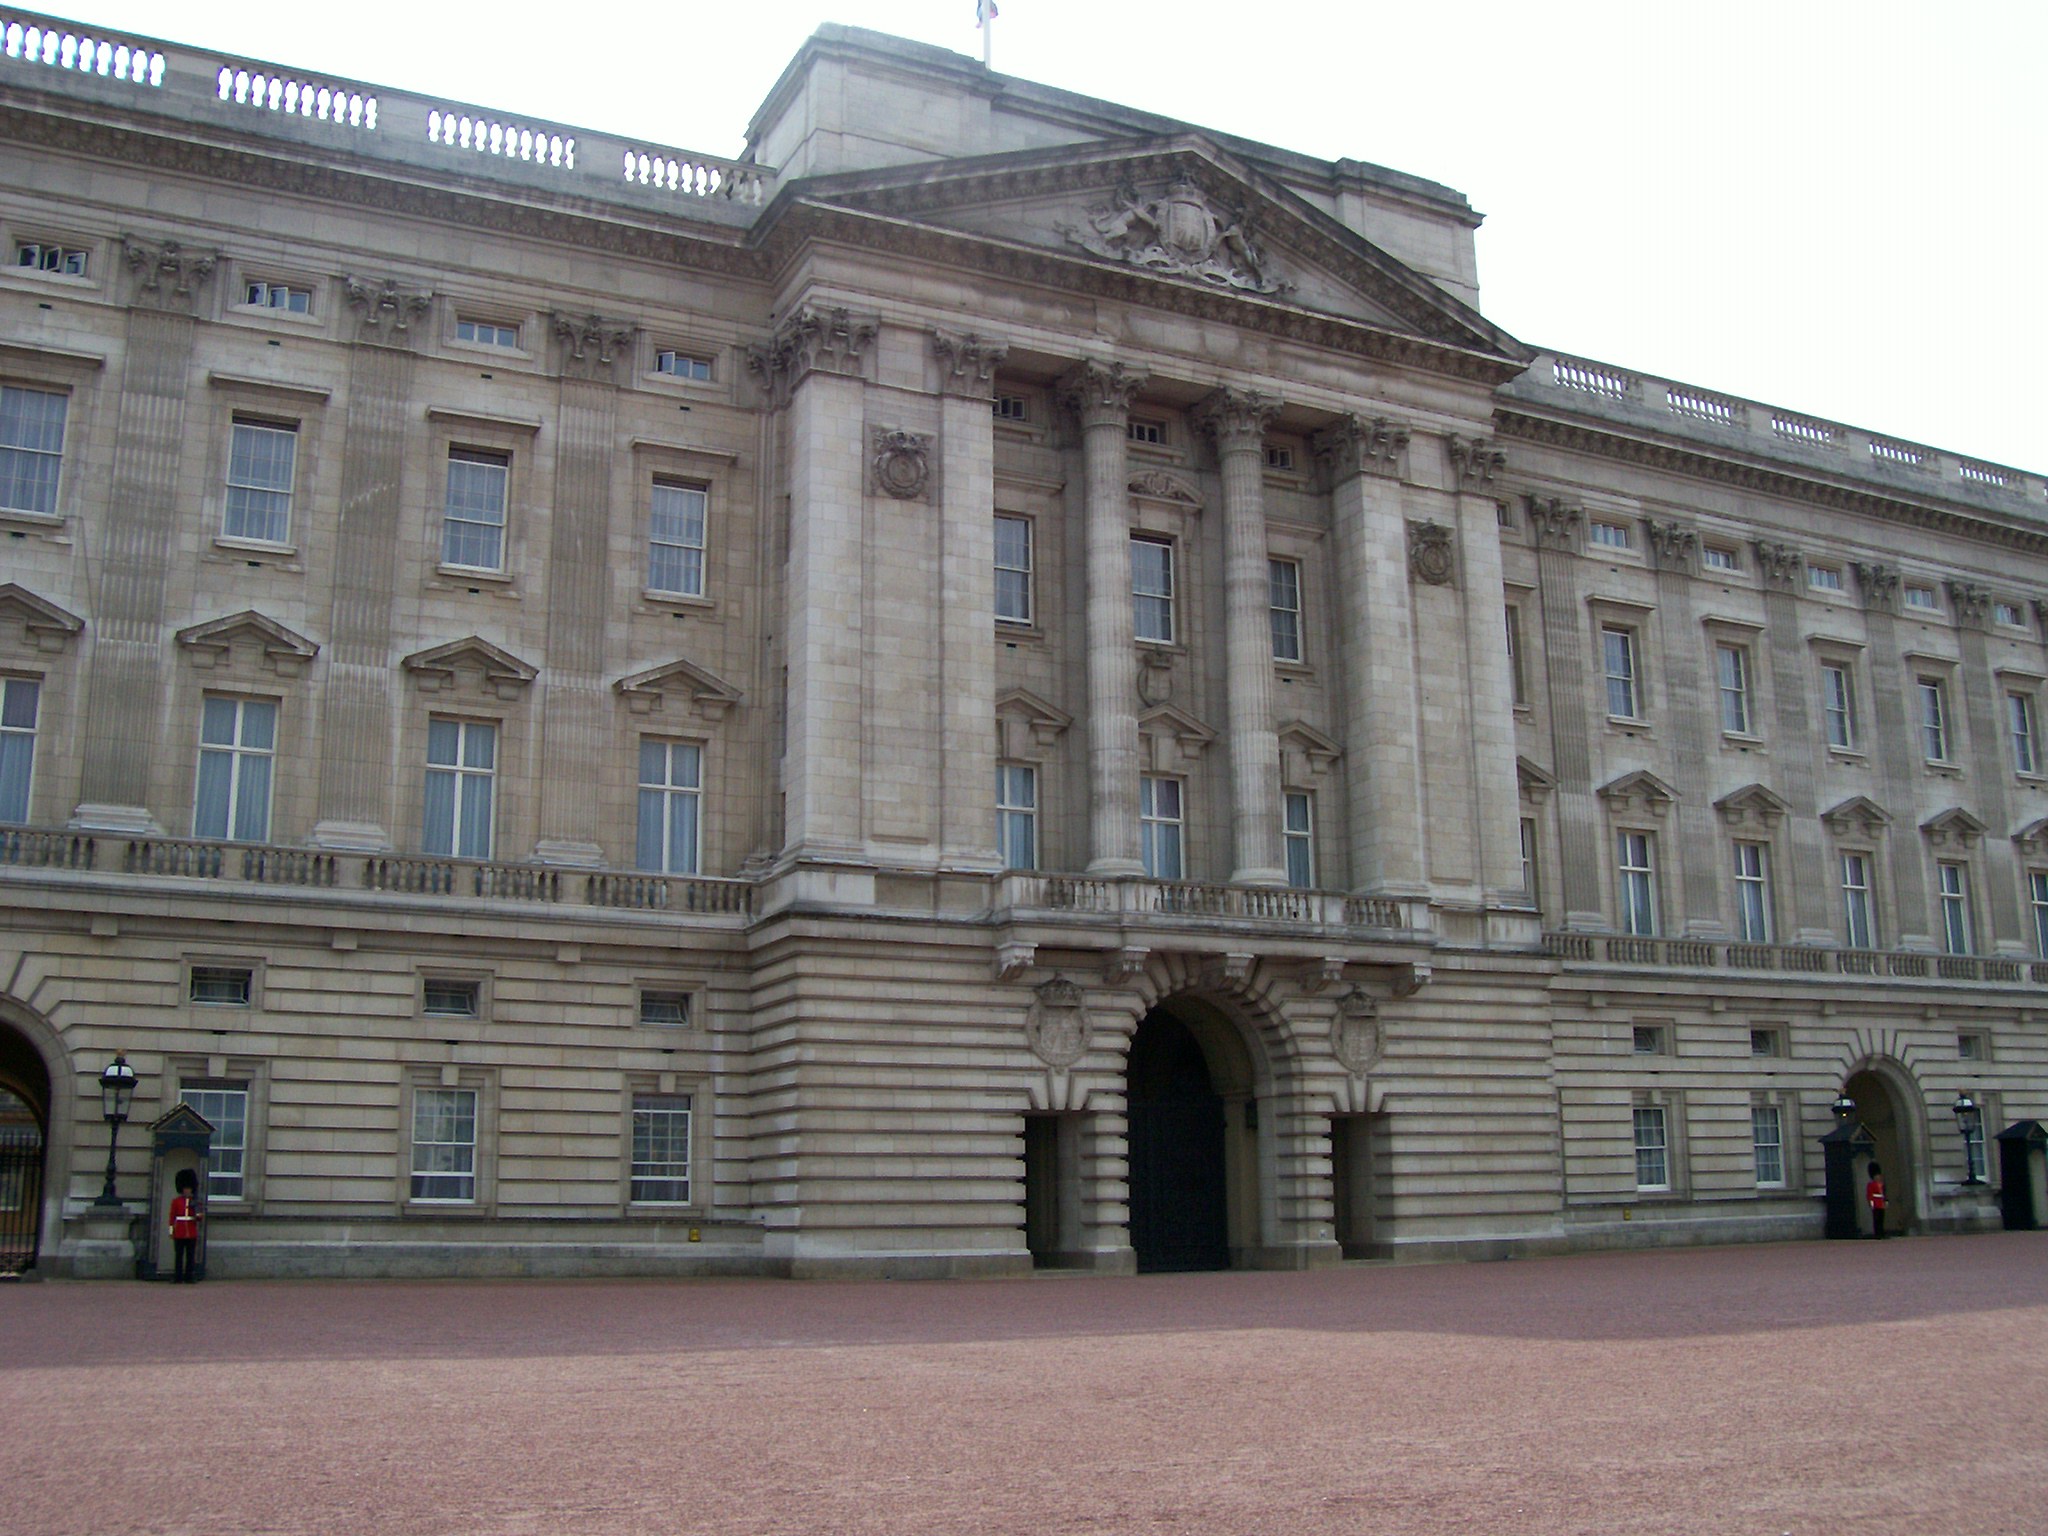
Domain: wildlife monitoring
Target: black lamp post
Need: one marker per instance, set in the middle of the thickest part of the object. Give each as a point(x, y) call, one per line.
point(1969, 1121)
point(117, 1089)
point(1844, 1107)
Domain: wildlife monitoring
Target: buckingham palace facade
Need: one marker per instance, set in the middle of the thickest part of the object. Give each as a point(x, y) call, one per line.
point(1001, 681)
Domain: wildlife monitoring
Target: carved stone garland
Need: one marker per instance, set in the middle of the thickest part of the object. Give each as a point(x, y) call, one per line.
point(902, 463)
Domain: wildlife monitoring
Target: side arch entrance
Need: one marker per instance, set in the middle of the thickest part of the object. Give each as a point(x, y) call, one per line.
point(24, 1148)
point(1193, 1139)
point(1885, 1111)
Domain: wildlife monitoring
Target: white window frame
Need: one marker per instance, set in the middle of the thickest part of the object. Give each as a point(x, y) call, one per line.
point(1859, 905)
point(2037, 896)
point(658, 1125)
point(1936, 730)
point(1718, 557)
point(21, 699)
point(1162, 826)
point(677, 500)
point(1621, 666)
point(1298, 837)
point(1017, 814)
point(451, 997)
point(2008, 614)
point(2023, 733)
point(249, 499)
point(461, 833)
point(1149, 431)
point(1651, 1124)
point(1518, 690)
point(1530, 854)
point(682, 363)
point(249, 763)
point(1767, 1145)
point(1952, 893)
point(1635, 883)
point(224, 1106)
point(1016, 606)
point(486, 333)
point(1921, 597)
point(1156, 601)
point(21, 450)
point(1283, 607)
point(1609, 535)
point(671, 794)
point(1732, 678)
point(259, 293)
point(52, 257)
point(443, 1168)
point(1824, 578)
point(474, 510)
point(1753, 892)
point(1838, 704)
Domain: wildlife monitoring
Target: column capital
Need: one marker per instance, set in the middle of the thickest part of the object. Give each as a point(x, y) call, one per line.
point(1474, 462)
point(967, 363)
point(165, 275)
point(1778, 564)
point(830, 340)
point(1101, 393)
point(1879, 584)
point(1672, 544)
point(592, 347)
point(1556, 523)
point(1972, 603)
point(1352, 446)
point(384, 311)
point(1236, 418)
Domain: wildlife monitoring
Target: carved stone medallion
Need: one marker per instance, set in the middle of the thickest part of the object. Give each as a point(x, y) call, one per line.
point(1056, 1024)
point(1430, 558)
point(1357, 1037)
point(1182, 232)
point(902, 463)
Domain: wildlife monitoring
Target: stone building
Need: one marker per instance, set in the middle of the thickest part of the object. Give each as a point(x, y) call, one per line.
point(1002, 680)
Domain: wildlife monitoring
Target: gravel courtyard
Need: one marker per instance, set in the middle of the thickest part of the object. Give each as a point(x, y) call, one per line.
point(1849, 1387)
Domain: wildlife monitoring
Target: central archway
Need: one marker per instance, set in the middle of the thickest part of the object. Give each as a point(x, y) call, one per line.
point(1191, 1119)
point(1883, 1111)
point(24, 1143)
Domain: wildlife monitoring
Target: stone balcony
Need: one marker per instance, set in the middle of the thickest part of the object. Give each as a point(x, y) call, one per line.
point(1721, 960)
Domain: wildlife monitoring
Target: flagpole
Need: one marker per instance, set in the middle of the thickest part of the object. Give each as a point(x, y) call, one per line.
point(988, 32)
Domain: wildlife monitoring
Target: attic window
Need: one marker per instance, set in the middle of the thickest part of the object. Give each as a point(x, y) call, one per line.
point(226, 986)
point(1012, 408)
point(664, 1007)
point(1278, 457)
point(1145, 430)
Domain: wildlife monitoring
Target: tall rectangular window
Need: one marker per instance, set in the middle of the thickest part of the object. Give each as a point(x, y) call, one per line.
point(2037, 895)
point(473, 517)
point(444, 1144)
point(671, 796)
point(675, 538)
point(20, 698)
point(1636, 881)
point(1952, 881)
point(1017, 815)
point(1013, 570)
point(462, 760)
point(31, 448)
point(1618, 653)
point(1283, 602)
point(1653, 1162)
point(1152, 590)
point(1858, 917)
point(1529, 858)
point(2026, 746)
point(1731, 667)
point(1752, 893)
point(1837, 705)
point(1933, 719)
point(1298, 835)
point(1767, 1137)
point(1516, 684)
point(262, 457)
point(661, 1149)
point(1159, 826)
point(226, 1109)
point(237, 743)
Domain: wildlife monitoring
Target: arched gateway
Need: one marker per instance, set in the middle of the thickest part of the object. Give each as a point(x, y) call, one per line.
point(24, 1147)
point(1886, 1100)
point(1193, 1139)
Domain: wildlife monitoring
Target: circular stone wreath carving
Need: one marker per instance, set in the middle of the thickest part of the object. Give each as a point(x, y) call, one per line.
point(1057, 1025)
point(1357, 1036)
point(902, 463)
point(1429, 553)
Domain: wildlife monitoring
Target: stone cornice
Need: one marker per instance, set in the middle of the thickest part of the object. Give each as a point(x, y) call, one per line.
point(1698, 464)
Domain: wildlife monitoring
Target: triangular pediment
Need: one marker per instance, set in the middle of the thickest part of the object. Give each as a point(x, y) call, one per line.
point(471, 663)
point(1170, 738)
point(1857, 814)
point(1158, 219)
point(1641, 788)
point(2033, 837)
point(182, 1117)
point(48, 627)
point(1752, 806)
point(1954, 827)
point(1534, 781)
point(255, 636)
point(1305, 752)
point(1024, 720)
point(679, 686)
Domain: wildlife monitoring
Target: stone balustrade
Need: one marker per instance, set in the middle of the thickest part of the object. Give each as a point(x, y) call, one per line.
point(1723, 958)
point(1152, 900)
point(200, 89)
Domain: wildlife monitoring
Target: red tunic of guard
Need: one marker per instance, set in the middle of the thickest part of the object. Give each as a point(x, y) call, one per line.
point(184, 1220)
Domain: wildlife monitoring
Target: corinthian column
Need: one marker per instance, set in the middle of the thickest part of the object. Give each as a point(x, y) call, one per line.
point(1100, 394)
point(1238, 419)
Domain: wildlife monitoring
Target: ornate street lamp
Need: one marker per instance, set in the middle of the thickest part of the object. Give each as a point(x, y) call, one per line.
point(1844, 1107)
point(1970, 1121)
point(117, 1089)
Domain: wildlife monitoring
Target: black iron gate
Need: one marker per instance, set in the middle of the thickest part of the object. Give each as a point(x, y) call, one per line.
point(1178, 1201)
point(21, 1194)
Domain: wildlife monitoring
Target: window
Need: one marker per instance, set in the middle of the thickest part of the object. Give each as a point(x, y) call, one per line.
point(1618, 648)
point(1159, 826)
point(40, 257)
point(1922, 597)
point(31, 449)
point(448, 997)
point(221, 986)
point(1766, 1042)
point(675, 538)
point(297, 301)
point(1973, 1154)
point(1637, 884)
point(473, 521)
point(1933, 719)
point(1515, 684)
point(1529, 856)
point(237, 738)
point(461, 759)
point(444, 1144)
point(661, 1149)
point(2037, 893)
point(1858, 916)
point(1013, 570)
point(19, 700)
point(1141, 429)
point(1152, 590)
point(1969, 1047)
point(1283, 601)
point(2008, 614)
point(1824, 578)
point(261, 459)
point(663, 1006)
point(1767, 1136)
point(694, 366)
point(486, 333)
point(1953, 885)
point(1012, 408)
point(1648, 1040)
point(1752, 893)
point(226, 1109)
point(1298, 835)
point(1837, 704)
point(1715, 557)
point(1653, 1166)
point(1278, 457)
point(2019, 716)
point(1731, 668)
point(1017, 815)
point(1613, 535)
point(671, 795)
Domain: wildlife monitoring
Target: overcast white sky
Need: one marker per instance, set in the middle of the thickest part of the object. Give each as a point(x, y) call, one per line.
point(1830, 206)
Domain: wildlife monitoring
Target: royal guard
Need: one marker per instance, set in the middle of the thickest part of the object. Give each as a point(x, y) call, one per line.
point(1874, 1193)
point(185, 1218)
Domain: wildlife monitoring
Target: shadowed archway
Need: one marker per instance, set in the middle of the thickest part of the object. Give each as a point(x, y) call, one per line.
point(1886, 1113)
point(1192, 1138)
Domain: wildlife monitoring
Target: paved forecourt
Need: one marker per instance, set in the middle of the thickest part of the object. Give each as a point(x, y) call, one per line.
point(1811, 1388)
